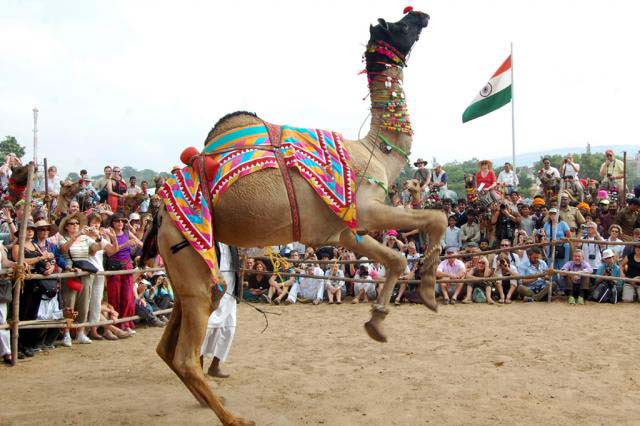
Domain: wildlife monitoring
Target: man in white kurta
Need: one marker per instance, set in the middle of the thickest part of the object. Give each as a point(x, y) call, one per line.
point(221, 326)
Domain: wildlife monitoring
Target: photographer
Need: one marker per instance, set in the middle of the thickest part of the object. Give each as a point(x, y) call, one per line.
point(608, 289)
point(505, 269)
point(144, 303)
point(612, 172)
point(592, 251)
point(505, 222)
point(393, 242)
point(76, 243)
point(364, 291)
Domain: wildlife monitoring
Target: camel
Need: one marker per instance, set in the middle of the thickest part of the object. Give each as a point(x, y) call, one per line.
point(68, 190)
point(414, 188)
point(255, 212)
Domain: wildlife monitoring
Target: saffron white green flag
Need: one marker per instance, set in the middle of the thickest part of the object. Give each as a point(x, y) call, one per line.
point(495, 94)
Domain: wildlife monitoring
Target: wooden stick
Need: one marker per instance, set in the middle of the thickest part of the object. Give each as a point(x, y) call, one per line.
point(586, 274)
point(602, 242)
point(19, 280)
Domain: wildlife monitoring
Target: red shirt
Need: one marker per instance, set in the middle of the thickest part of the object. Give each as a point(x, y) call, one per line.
point(488, 180)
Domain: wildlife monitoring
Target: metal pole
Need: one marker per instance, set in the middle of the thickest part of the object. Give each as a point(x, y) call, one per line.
point(35, 136)
point(47, 202)
point(623, 202)
point(18, 281)
point(513, 120)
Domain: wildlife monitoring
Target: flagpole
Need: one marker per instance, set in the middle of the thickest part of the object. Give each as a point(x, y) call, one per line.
point(513, 122)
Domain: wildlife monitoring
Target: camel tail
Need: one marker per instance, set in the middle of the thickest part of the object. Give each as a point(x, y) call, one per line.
point(150, 243)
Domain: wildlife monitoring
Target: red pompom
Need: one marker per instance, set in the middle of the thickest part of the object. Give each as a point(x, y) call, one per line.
point(407, 9)
point(188, 155)
point(209, 167)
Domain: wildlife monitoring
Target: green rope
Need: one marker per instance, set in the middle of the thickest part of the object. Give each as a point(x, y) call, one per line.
point(396, 148)
point(378, 182)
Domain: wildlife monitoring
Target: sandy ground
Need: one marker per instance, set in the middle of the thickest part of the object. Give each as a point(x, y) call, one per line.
point(517, 364)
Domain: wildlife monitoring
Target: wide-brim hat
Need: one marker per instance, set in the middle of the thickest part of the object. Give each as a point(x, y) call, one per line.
point(77, 215)
point(44, 224)
point(30, 224)
point(420, 161)
point(607, 254)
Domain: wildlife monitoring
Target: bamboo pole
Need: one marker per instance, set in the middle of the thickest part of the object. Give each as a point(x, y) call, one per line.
point(47, 202)
point(243, 260)
point(19, 280)
point(623, 191)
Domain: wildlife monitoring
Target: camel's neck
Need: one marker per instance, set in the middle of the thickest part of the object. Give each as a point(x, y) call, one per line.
point(389, 115)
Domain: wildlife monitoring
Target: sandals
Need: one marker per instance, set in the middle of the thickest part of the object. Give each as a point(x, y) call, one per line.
point(466, 301)
point(501, 301)
point(508, 301)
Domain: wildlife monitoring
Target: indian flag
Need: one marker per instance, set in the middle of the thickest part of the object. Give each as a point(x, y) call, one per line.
point(495, 94)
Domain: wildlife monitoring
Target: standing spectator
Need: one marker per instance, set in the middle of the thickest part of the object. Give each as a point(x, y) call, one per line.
point(133, 189)
point(527, 223)
point(116, 190)
point(144, 190)
point(423, 174)
point(77, 243)
point(592, 251)
point(569, 214)
point(453, 269)
point(97, 259)
point(628, 219)
point(505, 222)
point(508, 178)
point(439, 180)
point(10, 160)
point(607, 216)
point(577, 286)
point(101, 184)
point(561, 231)
point(5, 344)
point(53, 181)
point(120, 287)
point(612, 172)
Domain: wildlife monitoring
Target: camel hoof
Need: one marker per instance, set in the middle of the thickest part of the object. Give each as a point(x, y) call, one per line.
point(428, 297)
point(375, 331)
point(239, 421)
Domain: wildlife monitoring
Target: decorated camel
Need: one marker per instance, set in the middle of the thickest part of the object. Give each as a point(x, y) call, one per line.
point(286, 188)
point(415, 191)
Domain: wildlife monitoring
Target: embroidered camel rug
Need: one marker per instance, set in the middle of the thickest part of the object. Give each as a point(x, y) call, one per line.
point(318, 155)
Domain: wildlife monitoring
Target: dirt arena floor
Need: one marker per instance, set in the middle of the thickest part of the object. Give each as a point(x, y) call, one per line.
point(516, 364)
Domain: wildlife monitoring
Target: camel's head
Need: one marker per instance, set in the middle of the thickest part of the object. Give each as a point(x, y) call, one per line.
point(400, 36)
point(412, 185)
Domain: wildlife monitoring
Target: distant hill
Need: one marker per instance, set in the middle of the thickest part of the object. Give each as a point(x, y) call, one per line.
point(529, 158)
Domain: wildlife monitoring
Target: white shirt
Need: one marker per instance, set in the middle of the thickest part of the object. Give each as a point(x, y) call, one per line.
point(508, 178)
point(457, 269)
point(451, 237)
point(569, 170)
point(592, 254)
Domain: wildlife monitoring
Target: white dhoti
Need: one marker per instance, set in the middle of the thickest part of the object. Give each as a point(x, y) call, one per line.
point(221, 326)
point(5, 337)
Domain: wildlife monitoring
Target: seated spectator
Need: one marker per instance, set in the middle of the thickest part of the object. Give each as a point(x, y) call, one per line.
point(505, 269)
point(533, 288)
point(481, 270)
point(336, 288)
point(514, 259)
point(452, 235)
point(576, 285)
point(144, 304)
point(111, 332)
point(363, 291)
point(279, 285)
point(608, 289)
point(412, 271)
point(636, 238)
point(257, 284)
point(452, 269)
point(630, 266)
point(308, 288)
point(470, 231)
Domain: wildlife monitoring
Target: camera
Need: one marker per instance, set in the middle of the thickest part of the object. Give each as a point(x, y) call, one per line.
point(592, 256)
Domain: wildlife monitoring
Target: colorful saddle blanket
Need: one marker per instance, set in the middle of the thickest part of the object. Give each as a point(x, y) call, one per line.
point(318, 155)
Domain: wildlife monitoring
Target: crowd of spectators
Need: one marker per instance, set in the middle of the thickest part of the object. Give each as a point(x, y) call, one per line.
point(82, 226)
point(90, 226)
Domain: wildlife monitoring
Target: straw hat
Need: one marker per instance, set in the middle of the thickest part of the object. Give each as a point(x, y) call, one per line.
point(419, 161)
point(44, 224)
point(77, 215)
point(30, 225)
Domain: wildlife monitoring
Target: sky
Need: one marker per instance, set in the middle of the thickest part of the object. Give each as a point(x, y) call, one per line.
point(134, 83)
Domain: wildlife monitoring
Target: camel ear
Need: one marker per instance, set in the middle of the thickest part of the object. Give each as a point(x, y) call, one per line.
point(383, 24)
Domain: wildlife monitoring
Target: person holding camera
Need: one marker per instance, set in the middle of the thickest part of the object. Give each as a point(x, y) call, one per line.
point(505, 269)
point(608, 288)
point(77, 243)
point(592, 251)
point(612, 171)
point(505, 221)
point(364, 291)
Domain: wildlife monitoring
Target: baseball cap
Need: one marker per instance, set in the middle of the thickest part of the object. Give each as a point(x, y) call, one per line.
point(451, 250)
point(553, 210)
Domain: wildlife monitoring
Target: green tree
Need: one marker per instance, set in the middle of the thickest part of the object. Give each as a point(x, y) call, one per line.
point(10, 145)
point(524, 182)
point(73, 176)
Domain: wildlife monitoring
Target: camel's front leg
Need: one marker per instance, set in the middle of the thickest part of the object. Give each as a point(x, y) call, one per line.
point(394, 264)
point(432, 222)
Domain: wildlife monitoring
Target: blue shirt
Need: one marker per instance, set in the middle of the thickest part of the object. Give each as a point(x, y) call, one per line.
point(615, 272)
point(526, 268)
point(52, 248)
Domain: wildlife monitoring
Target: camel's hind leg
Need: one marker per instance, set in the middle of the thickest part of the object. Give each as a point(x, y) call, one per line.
point(181, 344)
point(394, 264)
